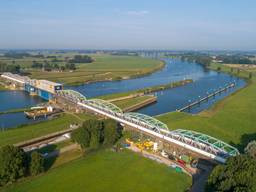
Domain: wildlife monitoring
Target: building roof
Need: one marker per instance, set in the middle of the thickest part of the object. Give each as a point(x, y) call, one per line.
point(49, 82)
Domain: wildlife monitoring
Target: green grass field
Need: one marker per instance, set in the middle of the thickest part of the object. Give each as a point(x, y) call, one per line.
point(16, 135)
point(105, 67)
point(232, 119)
point(107, 171)
point(130, 102)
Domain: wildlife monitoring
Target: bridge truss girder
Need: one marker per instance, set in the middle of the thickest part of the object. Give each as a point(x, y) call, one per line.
point(205, 142)
point(105, 106)
point(195, 139)
point(146, 121)
point(71, 95)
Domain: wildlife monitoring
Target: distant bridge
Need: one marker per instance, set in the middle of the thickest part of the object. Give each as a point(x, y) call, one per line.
point(199, 143)
point(189, 106)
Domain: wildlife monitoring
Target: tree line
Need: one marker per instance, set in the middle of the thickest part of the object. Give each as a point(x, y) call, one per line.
point(200, 58)
point(16, 55)
point(81, 59)
point(204, 60)
point(46, 66)
point(235, 59)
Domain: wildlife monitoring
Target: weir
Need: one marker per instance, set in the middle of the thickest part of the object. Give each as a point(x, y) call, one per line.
point(42, 88)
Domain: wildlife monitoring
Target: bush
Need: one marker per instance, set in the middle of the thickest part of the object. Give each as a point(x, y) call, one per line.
point(13, 164)
point(36, 163)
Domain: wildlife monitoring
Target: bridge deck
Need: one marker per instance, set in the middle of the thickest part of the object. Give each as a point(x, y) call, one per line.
point(199, 143)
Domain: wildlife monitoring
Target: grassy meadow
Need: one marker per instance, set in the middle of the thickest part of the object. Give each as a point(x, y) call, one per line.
point(104, 67)
point(131, 102)
point(107, 171)
point(26, 132)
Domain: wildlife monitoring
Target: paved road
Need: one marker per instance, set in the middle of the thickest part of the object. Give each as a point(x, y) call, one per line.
point(200, 179)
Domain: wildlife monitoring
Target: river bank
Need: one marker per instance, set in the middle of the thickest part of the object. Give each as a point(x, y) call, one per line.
point(160, 83)
point(144, 91)
point(231, 119)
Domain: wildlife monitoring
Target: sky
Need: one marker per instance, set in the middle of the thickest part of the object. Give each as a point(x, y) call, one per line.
point(128, 24)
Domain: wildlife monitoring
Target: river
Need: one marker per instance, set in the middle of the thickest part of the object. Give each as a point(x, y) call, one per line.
point(205, 81)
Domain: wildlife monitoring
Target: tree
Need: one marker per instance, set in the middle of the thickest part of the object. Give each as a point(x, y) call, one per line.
point(36, 163)
point(110, 133)
point(82, 137)
point(96, 129)
point(87, 135)
point(81, 59)
point(237, 175)
point(70, 66)
point(251, 149)
point(13, 164)
point(62, 68)
point(56, 66)
point(250, 75)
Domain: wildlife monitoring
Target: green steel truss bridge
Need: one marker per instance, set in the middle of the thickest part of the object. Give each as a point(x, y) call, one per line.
point(196, 142)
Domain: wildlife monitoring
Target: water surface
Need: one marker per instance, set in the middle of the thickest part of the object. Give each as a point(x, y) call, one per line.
point(205, 82)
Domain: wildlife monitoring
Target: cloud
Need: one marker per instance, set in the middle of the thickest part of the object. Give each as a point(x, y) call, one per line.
point(138, 13)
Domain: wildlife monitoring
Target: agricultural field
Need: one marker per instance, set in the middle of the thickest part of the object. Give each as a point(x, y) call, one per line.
point(104, 67)
point(232, 119)
point(96, 171)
